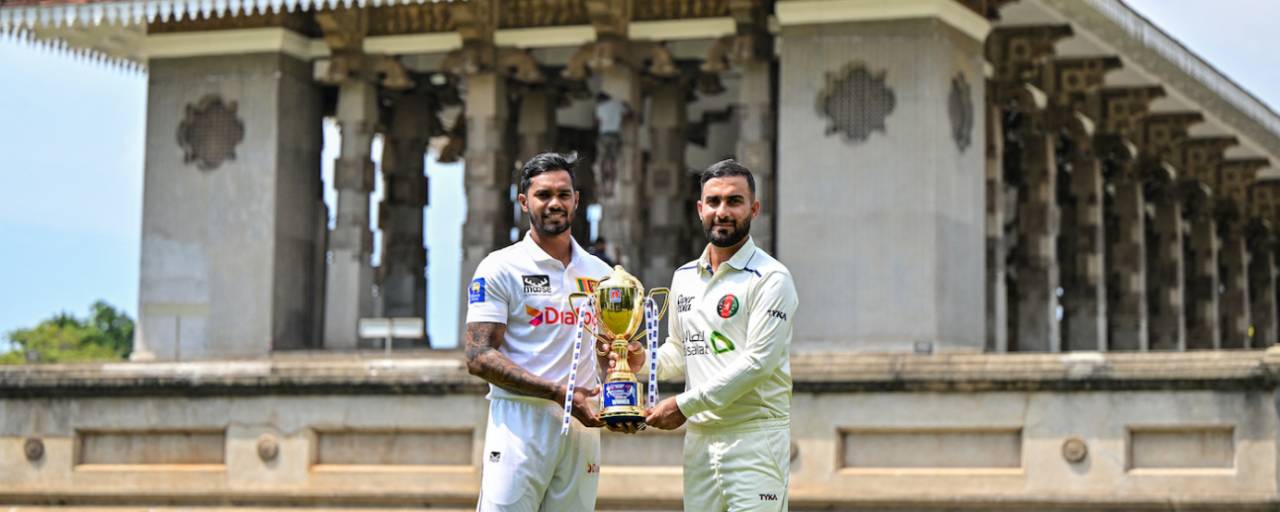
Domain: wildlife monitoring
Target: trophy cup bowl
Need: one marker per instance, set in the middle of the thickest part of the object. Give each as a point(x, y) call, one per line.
point(620, 310)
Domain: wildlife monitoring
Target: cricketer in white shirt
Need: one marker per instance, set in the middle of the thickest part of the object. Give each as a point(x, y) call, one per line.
point(729, 337)
point(521, 329)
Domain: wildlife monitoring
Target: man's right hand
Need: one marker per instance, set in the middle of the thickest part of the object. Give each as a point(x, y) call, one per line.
point(582, 408)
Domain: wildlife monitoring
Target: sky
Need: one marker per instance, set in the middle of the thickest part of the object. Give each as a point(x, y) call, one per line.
point(72, 135)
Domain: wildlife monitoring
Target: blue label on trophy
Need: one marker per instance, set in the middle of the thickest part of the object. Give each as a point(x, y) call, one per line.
point(620, 394)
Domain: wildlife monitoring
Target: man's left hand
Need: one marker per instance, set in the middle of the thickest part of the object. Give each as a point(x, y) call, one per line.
point(666, 415)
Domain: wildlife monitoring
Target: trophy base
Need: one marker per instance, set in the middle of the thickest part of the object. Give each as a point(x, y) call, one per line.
point(623, 418)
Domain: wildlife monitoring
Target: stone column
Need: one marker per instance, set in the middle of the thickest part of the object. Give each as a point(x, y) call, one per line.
point(1262, 285)
point(665, 184)
point(623, 220)
point(1202, 270)
point(404, 257)
point(488, 171)
point(903, 255)
point(231, 210)
point(1038, 224)
point(1165, 273)
point(753, 56)
point(487, 155)
point(536, 131)
point(349, 283)
point(997, 246)
point(1233, 259)
point(1084, 300)
point(1076, 113)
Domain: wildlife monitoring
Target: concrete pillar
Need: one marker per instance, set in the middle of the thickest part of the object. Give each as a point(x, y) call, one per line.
point(1165, 292)
point(404, 256)
point(997, 330)
point(349, 282)
point(1084, 299)
point(488, 171)
point(1202, 272)
point(1126, 266)
point(623, 219)
point(902, 257)
point(665, 185)
point(1037, 224)
point(1262, 289)
point(229, 238)
point(756, 124)
point(1233, 260)
point(536, 133)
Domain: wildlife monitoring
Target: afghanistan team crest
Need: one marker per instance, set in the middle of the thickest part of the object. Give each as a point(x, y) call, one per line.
point(728, 306)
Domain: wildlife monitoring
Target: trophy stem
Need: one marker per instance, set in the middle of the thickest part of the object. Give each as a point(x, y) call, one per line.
point(622, 370)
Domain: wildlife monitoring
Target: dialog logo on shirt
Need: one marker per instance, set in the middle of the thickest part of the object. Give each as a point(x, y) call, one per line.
point(476, 292)
point(728, 306)
point(537, 284)
point(553, 316)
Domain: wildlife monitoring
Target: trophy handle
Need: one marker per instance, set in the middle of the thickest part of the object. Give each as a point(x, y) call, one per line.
point(662, 310)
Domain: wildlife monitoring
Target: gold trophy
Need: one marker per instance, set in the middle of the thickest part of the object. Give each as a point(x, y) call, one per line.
point(620, 318)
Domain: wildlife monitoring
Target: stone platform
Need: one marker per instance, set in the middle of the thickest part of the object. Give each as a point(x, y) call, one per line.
point(358, 431)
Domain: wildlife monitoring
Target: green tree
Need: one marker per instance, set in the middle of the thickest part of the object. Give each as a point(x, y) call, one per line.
point(107, 334)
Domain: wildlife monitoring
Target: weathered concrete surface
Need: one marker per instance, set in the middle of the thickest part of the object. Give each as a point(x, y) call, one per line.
point(1169, 431)
point(228, 254)
point(888, 252)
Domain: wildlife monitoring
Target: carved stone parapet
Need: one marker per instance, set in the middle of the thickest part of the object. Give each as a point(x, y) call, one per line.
point(1123, 109)
point(1235, 176)
point(1202, 156)
point(1019, 51)
point(1075, 79)
point(1164, 133)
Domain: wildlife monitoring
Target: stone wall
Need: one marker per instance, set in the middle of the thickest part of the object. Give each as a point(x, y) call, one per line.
point(1184, 431)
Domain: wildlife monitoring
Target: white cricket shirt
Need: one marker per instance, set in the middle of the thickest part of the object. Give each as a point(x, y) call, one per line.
point(730, 337)
point(526, 289)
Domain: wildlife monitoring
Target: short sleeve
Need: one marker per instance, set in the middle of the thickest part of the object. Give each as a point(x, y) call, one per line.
point(487, 294)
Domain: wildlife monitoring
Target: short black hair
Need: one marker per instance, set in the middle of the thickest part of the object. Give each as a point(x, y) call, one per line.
point(547, 162)
point(726, 168)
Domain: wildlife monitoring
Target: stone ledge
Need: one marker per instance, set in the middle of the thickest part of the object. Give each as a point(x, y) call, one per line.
point(443, 372)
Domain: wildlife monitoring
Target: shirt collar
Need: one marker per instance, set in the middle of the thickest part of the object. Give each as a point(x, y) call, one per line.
point(739, 260)
point(538, 255)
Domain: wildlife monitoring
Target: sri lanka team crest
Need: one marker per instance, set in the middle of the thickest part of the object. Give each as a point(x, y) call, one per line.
point(587, 285)
point(476, 292)
point(615, 296)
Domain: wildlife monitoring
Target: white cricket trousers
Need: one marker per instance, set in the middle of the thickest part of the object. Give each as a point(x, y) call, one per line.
point(530, 467)
point(737, 469)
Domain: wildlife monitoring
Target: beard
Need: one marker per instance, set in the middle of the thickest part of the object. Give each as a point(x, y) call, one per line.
point(724, 236)
point(547, 225)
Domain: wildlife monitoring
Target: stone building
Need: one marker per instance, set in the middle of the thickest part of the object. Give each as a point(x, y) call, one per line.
point(1033, 240)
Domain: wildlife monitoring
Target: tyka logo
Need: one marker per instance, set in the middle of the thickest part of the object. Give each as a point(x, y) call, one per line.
point(776, 314)
point(768, 496)
point(537, 284)
point(553, 316)
point(684, 303)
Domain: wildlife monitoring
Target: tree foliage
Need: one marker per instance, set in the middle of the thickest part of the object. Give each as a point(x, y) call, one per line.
point(106, 334)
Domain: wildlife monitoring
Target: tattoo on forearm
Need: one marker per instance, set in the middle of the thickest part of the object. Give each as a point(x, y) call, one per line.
point(484, 361)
